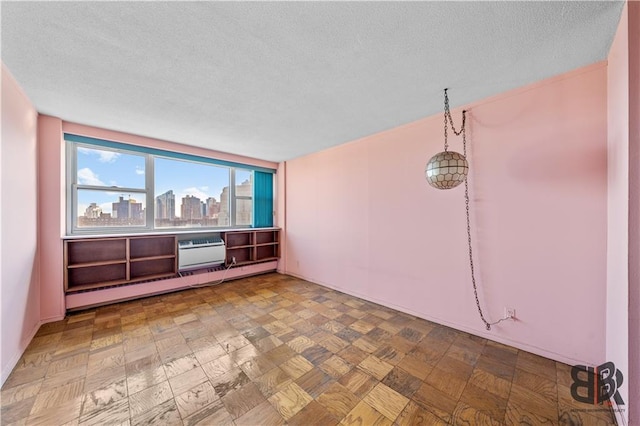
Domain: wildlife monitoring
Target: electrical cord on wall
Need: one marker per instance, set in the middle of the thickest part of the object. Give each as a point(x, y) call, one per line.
point(447, 170)
point(224, 276)
point(468, 217)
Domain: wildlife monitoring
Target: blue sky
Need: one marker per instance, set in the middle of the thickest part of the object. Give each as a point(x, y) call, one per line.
point(109, 168)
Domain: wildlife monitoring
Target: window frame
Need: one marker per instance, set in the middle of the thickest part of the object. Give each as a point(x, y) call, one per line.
point(230, 172)
point(73, 142)
point(233, 210)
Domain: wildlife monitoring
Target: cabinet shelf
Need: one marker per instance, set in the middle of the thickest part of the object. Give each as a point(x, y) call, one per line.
point(267, 259)
point(143, 259)
point(238, 247)
point(103, 262)
point(254, 246)
point(93, 264)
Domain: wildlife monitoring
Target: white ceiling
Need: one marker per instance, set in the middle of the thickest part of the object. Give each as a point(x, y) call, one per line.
point(277, 80)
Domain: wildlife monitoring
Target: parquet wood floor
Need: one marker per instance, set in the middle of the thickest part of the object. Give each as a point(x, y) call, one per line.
point(275, 350)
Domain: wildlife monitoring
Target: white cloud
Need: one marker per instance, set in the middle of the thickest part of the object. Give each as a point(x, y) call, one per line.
point(86, 176)
point(194, 192)
point(104, 156)
point(108, 156)
point(139, 171)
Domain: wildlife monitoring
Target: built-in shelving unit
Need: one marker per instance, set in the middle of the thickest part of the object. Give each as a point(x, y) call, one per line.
point(102, 262)
point(100, 269)
point(252, 246)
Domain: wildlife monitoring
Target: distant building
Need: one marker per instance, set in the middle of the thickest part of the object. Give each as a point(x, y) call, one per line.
point(244, 204)
point(223, 213)
point(127, 209)
point(190, 208)
point(94, 211)
point(213, 207)
point(124, 213)
point(166, 206)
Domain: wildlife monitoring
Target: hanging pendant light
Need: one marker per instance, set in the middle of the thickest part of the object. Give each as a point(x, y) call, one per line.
point(448, 169)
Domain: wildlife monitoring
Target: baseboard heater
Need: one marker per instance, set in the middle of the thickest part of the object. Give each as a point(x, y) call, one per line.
point(200, 253)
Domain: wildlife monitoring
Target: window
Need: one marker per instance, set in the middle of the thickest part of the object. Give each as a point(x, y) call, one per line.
point(114, 187)
point(191, 194)
point(109, 190)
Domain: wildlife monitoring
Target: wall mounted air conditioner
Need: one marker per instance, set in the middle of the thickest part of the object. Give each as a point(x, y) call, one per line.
point(200, 253)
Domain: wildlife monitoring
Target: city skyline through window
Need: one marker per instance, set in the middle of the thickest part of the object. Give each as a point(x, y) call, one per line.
point(112, 189)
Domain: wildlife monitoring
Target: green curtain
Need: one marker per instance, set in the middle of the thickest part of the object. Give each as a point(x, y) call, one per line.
point(262, 199)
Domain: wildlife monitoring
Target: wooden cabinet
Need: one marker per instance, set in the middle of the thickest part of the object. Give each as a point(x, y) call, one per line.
point(100, 263)
point(252, 246)
point(103, 262)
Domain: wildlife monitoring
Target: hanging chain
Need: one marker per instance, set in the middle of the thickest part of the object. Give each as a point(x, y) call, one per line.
point(449, 120)
point(447, 117)
point(466, 201)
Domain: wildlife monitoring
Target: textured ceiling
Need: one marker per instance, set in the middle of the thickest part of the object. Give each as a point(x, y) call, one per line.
point(277, 80)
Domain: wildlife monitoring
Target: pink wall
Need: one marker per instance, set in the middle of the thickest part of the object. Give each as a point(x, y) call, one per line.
point(362, 219)
point(51, 205)
point(623, 278)
point(618, 201)
point(19, 265)
point(281, 216)
point(633, 374)
point(52, 197)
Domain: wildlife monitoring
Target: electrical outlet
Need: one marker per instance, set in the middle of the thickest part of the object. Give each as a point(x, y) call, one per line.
point(510, 313)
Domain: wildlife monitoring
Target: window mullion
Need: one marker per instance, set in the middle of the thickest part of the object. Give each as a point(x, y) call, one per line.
point(150, 191)
point(72, 190)
point(232, 196)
